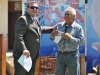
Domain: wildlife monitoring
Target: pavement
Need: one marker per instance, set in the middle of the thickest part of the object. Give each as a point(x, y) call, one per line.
point(9, 53)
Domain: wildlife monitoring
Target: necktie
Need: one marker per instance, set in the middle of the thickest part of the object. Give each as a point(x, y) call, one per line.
point(36, 25)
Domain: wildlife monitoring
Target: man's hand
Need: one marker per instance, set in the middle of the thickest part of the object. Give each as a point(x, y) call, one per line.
point(26, 53)
point(66, 36)
point(54, 33)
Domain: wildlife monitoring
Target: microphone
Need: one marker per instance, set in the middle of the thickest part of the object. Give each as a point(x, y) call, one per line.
point(66, 26)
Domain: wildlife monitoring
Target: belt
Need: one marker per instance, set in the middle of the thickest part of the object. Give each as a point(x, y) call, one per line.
point(65, 52)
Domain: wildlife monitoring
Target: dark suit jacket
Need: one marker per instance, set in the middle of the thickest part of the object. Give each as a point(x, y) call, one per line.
point(27, 36)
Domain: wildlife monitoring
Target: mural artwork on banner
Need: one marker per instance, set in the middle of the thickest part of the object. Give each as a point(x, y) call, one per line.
point(93, 36)
point(50, 13)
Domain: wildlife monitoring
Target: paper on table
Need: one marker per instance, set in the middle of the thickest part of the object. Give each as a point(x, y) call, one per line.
point(25, 62)
point(57, 39)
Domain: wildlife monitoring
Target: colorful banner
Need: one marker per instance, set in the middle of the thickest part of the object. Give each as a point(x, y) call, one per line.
point(93, 35)
point(52, 12)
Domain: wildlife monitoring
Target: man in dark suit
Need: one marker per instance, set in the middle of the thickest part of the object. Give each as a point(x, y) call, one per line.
point(27, 38)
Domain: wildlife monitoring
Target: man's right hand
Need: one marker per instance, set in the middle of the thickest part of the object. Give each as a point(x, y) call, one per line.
point(54, 33)
point(26, 53)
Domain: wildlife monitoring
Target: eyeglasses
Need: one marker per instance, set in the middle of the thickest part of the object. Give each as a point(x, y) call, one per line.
point(32, 7)
point(68, 14)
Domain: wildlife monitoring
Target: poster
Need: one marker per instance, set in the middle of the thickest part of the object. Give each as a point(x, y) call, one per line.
point(50, 13)
point(93, 35)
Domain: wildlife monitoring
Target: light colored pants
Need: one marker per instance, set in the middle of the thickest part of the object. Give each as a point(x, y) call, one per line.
point(70, 60)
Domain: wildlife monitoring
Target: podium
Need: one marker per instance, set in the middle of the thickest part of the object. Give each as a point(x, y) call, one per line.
point(46, 65)
point(2, 55)
point(82, 65)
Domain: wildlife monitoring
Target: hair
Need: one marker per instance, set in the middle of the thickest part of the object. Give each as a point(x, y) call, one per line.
point(73, 11)
point(31, 2)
